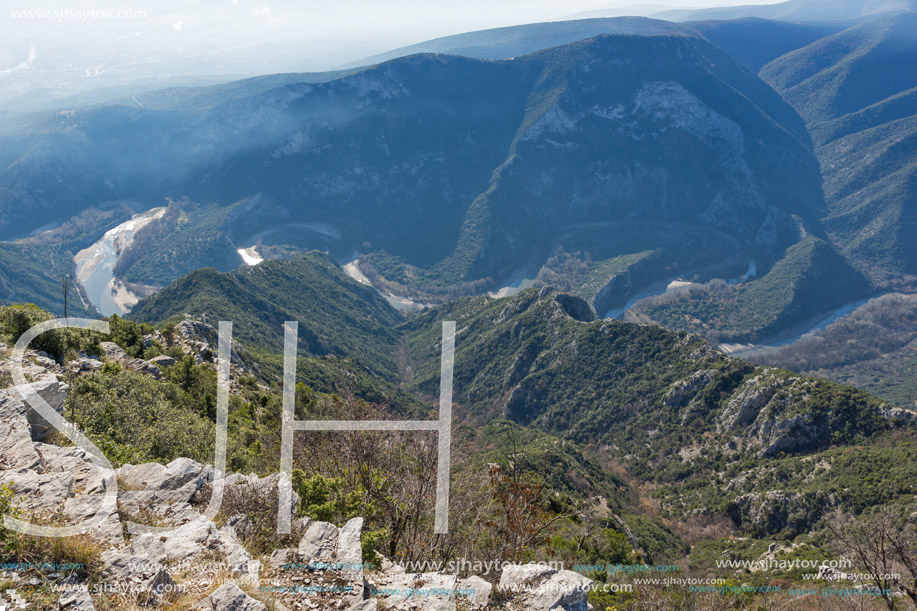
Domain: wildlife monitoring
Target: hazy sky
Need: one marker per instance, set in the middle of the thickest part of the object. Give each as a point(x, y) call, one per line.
point(51, 47)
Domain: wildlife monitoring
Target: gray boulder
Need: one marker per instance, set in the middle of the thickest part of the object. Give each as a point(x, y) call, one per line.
point(113, 352)
point(39, 493)
point(399, 585)
point(54, 393)
point(229, 597)
point(349, 554)
point(124, 568)
point(475, 590)
point(138, 477)
point(540, 588)
point(16, 448)
point(280, 557)
point(319, 542)
point(162, 360)
point(76, 600)
point(145, 367)
point(179, 473)
point(87, 506)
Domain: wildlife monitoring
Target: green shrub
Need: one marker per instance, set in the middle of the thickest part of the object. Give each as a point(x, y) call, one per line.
point(16, 319)
point(139, 419)
point(324, 498)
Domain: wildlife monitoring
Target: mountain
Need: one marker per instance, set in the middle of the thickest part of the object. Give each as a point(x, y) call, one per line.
point(618, 9)
point(32, 274)
point(513, 41)
point(337, 315)
point(32, 268)
point(755, 41)
point(441, 171)
point(857, 91)
point(668, 409)
point(796, 10)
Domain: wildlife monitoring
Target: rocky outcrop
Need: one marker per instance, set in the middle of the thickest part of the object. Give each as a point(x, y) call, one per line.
point(777, 512)
point(683, 392)
point(540, 588)
point(126, 570)
point(475, 590)
point(51, 483)
point(54, 393)
point(576, 308)
point(166, 491)
point(898, 416)
point(230, 597)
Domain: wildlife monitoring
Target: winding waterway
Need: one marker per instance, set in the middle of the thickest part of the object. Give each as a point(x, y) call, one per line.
point(95, 265)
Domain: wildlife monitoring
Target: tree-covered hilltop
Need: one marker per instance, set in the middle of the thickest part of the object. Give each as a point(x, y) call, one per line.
point(336, 315)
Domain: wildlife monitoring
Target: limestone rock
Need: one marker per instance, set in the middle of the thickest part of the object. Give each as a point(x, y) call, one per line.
point(121, 567)
point(76, 600)
point(349, 554)
point(229, 597)
point(40, 493)
point(178, 473)
point(234, 553)
point(280, 557)
point(401, 584)
point(86, 506)
point(319, 542)
point(163, 360)
point(145, 367)
point(113, 352)
point(682, 392)
point(16, 448)
point(540, 588)
point(475, 590)
point(138, 477)
point(240, 524)
point(54, 393)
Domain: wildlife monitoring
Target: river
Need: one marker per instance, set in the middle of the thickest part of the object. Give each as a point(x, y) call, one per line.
point(672, 284)
point(743, 350)
point(95, 265)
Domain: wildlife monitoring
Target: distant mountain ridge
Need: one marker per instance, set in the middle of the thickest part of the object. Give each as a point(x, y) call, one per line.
point(755, 41)
point(796, 10)
point(513, 41)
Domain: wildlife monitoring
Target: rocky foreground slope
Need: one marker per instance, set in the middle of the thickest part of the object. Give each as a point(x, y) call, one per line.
point(200, 563)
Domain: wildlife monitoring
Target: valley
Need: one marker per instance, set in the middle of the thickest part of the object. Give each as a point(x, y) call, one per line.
point(677, 251)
